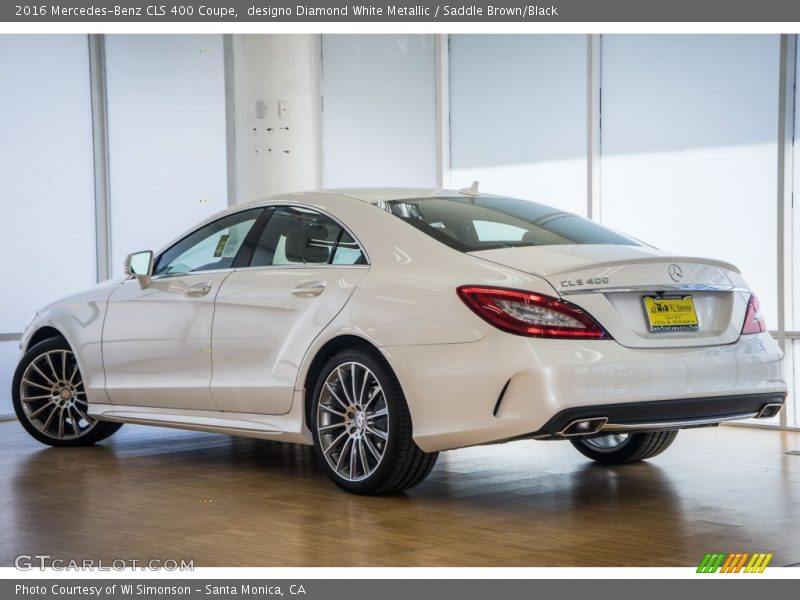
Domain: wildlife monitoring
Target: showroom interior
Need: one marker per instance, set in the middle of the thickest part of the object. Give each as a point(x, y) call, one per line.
point(117, 143)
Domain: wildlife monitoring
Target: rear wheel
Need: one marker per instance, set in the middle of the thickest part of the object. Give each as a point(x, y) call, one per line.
point(619, 448)
point(362, 427)
point(50, 400)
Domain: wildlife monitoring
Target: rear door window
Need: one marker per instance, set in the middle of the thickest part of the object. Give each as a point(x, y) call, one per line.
point(301, 236)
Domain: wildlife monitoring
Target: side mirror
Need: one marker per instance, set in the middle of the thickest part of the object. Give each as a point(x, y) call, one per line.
point(140, 265)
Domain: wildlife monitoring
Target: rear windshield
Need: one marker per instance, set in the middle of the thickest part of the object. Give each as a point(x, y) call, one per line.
point(488, 222)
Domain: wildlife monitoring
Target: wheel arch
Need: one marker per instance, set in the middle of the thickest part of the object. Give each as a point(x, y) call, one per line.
point(328, 350)
point(45, 332)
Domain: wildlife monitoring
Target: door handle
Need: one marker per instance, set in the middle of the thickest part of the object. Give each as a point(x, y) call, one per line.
point(309, 289)
point(199, 290)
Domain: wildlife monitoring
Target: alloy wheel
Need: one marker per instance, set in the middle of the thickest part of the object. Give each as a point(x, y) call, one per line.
point(53, 396)
point(352, 421)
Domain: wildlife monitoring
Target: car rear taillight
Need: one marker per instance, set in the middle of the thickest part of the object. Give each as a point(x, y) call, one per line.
point(754, 321)
point(525, 313)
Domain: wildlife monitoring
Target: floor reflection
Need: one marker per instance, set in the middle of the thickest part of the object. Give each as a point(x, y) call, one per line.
point(151, 493)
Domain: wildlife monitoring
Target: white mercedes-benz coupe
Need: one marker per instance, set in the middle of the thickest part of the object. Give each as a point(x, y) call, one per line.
point(385, 325)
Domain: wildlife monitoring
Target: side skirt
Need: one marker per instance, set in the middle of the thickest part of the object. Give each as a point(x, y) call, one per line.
point(283, 428)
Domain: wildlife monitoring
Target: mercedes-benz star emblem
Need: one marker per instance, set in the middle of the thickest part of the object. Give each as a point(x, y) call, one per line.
point(675, 272)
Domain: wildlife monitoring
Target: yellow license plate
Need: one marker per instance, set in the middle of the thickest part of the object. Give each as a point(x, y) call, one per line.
point(670, 313)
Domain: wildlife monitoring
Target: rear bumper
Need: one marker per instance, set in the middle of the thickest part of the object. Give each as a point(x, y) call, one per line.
point(655, 415)
point(505, 386)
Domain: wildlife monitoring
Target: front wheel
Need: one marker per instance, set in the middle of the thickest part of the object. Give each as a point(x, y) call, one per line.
point(619, 448)
point(50, 400)
point(362, 427)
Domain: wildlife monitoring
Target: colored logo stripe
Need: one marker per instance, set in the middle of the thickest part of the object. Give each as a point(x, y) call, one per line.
point(734, 563)
point(711, 562)
point(726, 566)
point(758, 563)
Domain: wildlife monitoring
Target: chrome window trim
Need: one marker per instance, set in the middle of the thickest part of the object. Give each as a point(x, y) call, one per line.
point(174, 275)
point(305, 266)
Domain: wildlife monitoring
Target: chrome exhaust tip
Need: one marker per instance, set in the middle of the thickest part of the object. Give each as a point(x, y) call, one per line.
point(583, 426)
point(769, 410)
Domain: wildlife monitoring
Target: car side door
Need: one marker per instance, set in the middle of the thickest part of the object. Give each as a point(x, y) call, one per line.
point(157, 340)
point(303, 270)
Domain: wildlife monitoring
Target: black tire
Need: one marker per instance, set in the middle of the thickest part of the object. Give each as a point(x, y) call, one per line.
point(637, 447)
point(402, 464)
point(60, 368)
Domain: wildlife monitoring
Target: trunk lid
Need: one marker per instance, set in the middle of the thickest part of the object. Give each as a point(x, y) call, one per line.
point(610, 282)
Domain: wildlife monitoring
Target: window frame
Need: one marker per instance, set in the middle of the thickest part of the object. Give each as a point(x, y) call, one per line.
point(272, 208)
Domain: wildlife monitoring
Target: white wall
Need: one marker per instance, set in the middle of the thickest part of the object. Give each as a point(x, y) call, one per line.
point(9, 355)
point(276, 153)
point(518, 116)
point(166, 112)
point(689, 155)
point(46, 180)
point(379, 110)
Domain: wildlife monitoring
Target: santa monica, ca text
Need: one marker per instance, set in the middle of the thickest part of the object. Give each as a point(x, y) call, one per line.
point(246, 589)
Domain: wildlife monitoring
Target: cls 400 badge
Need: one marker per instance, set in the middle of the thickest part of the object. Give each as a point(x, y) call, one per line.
point(566, 283)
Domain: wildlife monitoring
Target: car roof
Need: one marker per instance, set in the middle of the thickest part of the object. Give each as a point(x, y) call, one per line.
point(370, 195)
point(386, 194)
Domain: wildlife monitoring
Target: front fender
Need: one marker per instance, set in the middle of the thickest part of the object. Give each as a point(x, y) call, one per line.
point(79, 319)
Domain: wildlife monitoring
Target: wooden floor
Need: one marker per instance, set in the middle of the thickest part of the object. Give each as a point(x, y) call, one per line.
point(159, 493)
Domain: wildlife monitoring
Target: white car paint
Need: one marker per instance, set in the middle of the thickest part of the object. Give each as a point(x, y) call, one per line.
point(251, 376)
point(157, 340)
point(236, 358)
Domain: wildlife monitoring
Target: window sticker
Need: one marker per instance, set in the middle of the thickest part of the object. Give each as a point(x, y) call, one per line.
point(223, 240)
point(231, 247)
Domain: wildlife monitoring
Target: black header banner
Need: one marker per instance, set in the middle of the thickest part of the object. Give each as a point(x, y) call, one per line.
point(420, 11)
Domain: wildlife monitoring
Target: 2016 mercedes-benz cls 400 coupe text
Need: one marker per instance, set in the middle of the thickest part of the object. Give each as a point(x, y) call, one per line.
point(383, 326)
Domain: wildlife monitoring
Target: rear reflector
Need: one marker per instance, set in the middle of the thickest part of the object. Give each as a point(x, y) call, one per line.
point(754, 321)
point(535, 315)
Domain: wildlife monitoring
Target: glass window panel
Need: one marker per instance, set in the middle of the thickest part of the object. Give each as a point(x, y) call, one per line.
point(491, 231)
point(518, 116)
point(47, 173)
point(298, 236)
point(689, 148)
point(379, 118)
point(791, 371)
point(167, 140)
point(793, 310)
point(214, 246)
point(489, 222)
point(348, 252)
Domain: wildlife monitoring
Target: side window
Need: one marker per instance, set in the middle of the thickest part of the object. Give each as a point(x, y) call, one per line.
point(211, 247)
point(301, 236)
point(348, 251)
point(491, 231)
